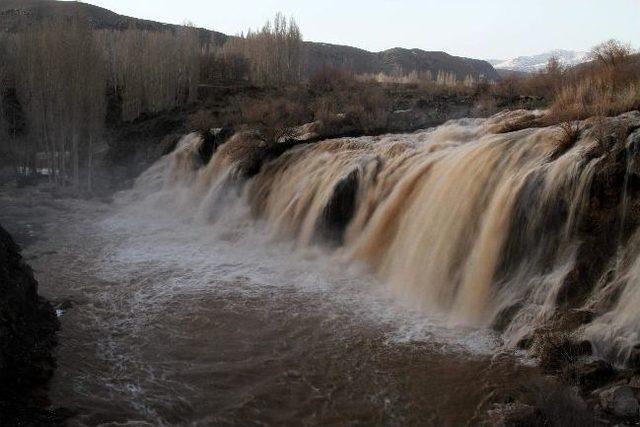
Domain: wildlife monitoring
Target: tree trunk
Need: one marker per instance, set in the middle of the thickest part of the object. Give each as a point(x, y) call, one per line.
point(90, 166)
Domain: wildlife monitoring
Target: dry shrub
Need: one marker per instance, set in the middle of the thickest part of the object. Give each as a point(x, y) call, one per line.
point(369, 109)
point(328, 79)
point(608, 86)
point(594, 96)
point(569, 134)
point(275, 119)
point(363, 106)
point(611, 53)
point(327, 112)
point(542, 84)
point(324, 108)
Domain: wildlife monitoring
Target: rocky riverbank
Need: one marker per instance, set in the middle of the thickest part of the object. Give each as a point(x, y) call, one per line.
point(28, 326)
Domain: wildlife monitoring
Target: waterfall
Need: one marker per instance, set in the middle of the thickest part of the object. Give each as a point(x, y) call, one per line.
point(616, 333)
point(490, 229)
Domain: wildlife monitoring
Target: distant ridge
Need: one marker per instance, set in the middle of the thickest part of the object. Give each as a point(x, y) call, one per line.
point(533, 63)
point(396, 60)
point(15, 14)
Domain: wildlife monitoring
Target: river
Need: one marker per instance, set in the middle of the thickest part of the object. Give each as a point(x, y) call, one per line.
point(169, 318)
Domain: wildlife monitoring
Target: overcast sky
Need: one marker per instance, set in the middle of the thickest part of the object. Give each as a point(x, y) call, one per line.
point(487, 29)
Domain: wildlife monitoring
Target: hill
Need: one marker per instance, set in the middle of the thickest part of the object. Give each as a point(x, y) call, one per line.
point(396, 60)
point(16, 14)
point(533, 63)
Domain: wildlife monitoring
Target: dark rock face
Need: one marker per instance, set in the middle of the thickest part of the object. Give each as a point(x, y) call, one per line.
point(620, 401)
point(514, 414)
point(339, 210)
point(27, 333)
point(211, 141)
point(591, 375)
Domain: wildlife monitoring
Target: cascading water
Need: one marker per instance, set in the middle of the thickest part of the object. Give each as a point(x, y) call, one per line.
point(490, 229)
point(347, 281)
point(616, 333)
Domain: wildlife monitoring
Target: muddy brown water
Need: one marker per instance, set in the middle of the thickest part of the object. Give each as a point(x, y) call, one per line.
point(180, 324)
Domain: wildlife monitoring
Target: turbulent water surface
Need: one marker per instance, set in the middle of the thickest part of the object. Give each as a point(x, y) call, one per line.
point(174, 323)
point(351, 281)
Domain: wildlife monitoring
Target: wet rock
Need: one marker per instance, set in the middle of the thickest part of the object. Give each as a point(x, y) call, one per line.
point(525, 342)
point(27, 332)
point(557, 351)
point(309, 131)
point(633, 361)
point(247, 153)
point(515, 414)
point(620, 401)
point(212, 140)
point(634, 382)
point(572, 319)
point(505, 316)
point(27, 322)
point(339, 210)
point(592, 375)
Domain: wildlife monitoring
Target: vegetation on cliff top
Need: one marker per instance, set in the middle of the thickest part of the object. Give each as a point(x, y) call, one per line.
point(65, 86)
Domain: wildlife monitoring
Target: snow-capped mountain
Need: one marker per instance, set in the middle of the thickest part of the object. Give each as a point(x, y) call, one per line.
point(534, 63)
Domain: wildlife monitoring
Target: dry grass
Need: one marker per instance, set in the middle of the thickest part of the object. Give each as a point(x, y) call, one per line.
point(608, 86)
point(608, 133)
point(519, 123)
point(570, 132)
point(346, 103)
point(340, 99)
point(369, 109)
point(328, 79)
point(595, 96)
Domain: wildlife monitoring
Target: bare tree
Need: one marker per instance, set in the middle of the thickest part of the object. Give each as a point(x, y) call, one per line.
point(275, 53)
point(152, 71)
point(60, 82)
point(611, 53)
point(5, 143)
point(554, 66)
